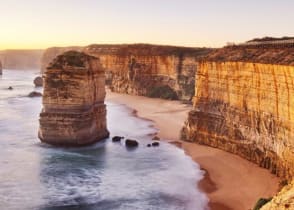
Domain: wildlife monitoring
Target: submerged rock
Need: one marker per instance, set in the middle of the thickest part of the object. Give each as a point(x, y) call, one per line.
point(131, 143)
point(74, 112)
point(10, 88)
point(38, 81)
point(35, 94)
point(148, 145)
point(117, 138)
point(155, 144)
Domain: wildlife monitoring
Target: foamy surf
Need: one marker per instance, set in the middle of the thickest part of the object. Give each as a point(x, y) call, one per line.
point(102, 176)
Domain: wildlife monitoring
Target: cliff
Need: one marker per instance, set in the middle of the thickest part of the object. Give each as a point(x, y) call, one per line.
point(0, 68)
point(149, 70)
point(21, 59)
point(246, 109)
point(73, 111)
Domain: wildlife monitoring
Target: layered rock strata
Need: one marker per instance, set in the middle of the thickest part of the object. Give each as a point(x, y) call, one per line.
point(246, 109)
point(149, 70)
point(73, 111)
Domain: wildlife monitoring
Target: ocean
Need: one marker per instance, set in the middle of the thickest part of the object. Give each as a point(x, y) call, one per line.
point(103, 176)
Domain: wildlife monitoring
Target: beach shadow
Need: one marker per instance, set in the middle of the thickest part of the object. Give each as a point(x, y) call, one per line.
point(207, 184)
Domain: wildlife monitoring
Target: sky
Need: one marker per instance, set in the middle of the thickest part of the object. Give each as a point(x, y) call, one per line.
point(39, 24)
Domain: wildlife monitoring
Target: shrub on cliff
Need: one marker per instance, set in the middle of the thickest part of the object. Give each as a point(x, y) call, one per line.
point(164, 92)
point(69, 58)
point(261, 202)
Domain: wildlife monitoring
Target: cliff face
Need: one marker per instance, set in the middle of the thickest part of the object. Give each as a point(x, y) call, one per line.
point(73, 101)
point(150, 70)
point(246, 109)
point(0, 68)
point(21, 59)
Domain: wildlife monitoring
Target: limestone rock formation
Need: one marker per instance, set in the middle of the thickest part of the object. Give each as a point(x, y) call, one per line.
point(117, 138)
point(155, 144)
point(246, 109)
point(38, 81)
point(34, 94)
point(148, 70)
point(131, 143)
point(73, 111)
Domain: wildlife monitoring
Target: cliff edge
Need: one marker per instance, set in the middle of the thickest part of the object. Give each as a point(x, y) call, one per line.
point(259, 51)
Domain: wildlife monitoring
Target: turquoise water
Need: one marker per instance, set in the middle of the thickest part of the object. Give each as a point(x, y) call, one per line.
point(104, 176)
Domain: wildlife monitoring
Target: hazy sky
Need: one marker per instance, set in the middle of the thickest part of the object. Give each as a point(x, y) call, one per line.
point(41, 24)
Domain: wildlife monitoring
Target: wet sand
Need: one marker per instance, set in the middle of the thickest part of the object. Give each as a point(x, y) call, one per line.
point(230, 182)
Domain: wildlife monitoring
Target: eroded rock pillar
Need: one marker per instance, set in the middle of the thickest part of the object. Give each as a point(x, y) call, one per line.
point(73, 111)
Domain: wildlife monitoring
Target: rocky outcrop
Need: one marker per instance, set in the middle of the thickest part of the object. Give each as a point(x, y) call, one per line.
point(149, 70)
point(34, 94)
point(0, 68)
point(38, 81)
point(283, 201)
point(21, 59)
point(117, 138)
point(246, 109)
point(73, 111)
point(131, 143)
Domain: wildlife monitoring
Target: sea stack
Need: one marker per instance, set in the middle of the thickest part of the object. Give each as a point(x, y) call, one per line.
point(74, 113)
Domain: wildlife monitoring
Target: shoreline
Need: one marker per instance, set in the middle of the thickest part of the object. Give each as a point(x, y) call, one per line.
point(230, 182)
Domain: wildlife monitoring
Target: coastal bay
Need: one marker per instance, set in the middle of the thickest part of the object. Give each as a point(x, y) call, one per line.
point(230, 182)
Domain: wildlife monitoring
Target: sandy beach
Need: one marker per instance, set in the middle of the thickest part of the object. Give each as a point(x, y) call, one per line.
point(230, 182)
